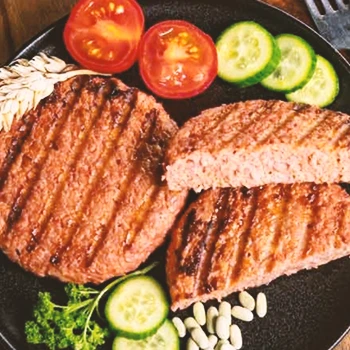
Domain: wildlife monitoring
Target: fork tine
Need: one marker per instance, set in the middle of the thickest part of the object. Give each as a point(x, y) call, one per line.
point(327, 6)
point(341, 5)
point(313, 9)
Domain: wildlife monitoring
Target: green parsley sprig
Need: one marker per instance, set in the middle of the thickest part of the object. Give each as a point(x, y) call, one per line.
point(71, 325)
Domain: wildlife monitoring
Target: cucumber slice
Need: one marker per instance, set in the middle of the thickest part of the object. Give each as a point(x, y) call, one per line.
point(297, 65)
point(137, 307)
point(323, 87)
point(247, 53)
point(166, 338)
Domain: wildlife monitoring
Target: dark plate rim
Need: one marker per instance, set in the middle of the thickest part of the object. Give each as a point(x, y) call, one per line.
point(31, 42)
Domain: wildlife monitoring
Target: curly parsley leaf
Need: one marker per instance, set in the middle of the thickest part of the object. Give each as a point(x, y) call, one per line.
point(61, 327)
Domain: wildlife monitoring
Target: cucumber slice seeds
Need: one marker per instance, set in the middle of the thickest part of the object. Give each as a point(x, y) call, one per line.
point(297, 65)
point(247, 53)
point(323, 87)
point(166, 338)
point(137, 307)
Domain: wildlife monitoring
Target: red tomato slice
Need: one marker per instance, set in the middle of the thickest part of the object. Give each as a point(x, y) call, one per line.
point(104, 35)
point(177, 60)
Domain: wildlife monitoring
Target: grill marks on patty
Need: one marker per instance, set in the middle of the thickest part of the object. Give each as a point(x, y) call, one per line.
point(91, 161)
point(120, 107)
point(25, 169)
point(102, 131)
point(132, 172)
point(254, 236)
point(137, 191)
point(69, 163)
point(15, 144)
point(217, 224)
point(48, 187)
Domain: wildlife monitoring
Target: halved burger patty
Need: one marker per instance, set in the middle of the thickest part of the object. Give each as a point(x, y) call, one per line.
point(260, 142)
point(232, 239)
point(81, 196)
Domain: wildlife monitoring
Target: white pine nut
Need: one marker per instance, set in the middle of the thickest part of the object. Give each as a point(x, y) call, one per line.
point(225, 310)
point(247, 300)
point(220, 344)
point(261, 305)
point(236, 337)
point(199, 313)
point(212, 315)
point(191, 323)
point(227, 347)
point(200, 337)
point(243, 314)
point(213, 340)
point(222, 327)
point(191, 345)
point(180, 327)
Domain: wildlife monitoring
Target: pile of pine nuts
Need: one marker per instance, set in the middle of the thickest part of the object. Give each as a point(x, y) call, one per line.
point(221, 334)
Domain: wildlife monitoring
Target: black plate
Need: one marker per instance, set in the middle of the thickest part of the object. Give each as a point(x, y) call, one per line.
point(307, 311)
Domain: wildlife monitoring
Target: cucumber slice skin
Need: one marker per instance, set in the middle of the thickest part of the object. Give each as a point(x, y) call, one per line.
point(300, 96)
point(265, 71)
point(167, 331)
point(125, 289)
point(306, 78)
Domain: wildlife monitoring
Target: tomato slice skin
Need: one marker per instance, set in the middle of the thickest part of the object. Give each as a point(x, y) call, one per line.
point(177, 60)
point(104, 35)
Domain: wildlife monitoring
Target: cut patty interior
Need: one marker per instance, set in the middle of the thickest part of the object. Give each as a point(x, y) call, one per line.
point(254, 143)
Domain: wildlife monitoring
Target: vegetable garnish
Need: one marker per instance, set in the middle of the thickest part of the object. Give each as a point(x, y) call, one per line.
point(166, 338)
point(104, 35)
point(177, 60)
point(297, 65)
point(322, 89)
point(71, 325)
point(137, 307)
point(247, 53)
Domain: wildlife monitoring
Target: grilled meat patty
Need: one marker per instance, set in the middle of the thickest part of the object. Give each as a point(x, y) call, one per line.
point(81, 197)
point(260, 142)
point(232, 239)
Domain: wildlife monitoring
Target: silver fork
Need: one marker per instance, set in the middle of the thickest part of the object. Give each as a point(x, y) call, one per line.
point(334, 25)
